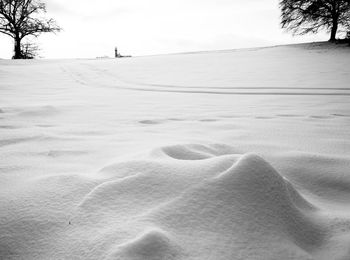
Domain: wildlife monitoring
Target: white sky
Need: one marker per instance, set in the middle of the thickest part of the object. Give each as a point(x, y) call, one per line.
point(140, 27)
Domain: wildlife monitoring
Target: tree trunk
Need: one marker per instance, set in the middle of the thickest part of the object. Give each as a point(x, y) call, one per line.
point(334, 31)
point(17, 49)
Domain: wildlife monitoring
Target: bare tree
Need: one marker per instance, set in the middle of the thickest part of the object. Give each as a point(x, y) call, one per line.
point(310, 16)
point(19, 18)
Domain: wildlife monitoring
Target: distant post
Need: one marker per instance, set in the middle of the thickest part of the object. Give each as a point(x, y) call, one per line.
point(118, 55)
point(116, 52)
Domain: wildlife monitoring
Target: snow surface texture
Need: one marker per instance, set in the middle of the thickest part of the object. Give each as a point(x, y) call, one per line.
point(219, 155)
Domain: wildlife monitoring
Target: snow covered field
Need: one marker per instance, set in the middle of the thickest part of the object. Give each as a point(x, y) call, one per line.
point(241, 154)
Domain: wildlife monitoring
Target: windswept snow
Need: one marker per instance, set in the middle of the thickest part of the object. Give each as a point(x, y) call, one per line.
point(239, 154)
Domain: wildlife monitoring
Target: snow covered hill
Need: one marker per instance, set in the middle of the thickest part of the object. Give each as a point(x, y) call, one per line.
point(238, 154)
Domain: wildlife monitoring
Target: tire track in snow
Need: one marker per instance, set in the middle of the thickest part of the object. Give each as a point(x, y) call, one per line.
point(117, 82)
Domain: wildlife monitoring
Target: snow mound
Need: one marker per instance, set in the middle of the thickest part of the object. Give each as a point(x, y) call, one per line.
point(254, 176)
point(250, 203)
point(152, 245)
point(218, 204)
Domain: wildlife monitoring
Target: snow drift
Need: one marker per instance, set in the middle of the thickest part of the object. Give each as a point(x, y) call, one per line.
point(218, 155)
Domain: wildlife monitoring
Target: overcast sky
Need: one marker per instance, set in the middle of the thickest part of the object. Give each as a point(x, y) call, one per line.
point(93, 28)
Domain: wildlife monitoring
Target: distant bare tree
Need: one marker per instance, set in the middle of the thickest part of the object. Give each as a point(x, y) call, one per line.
point(348, 37)
point(19, 18)
point(29, 50)
point(310, 16)
point(348, 29)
